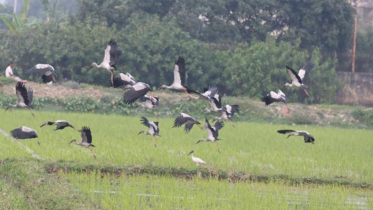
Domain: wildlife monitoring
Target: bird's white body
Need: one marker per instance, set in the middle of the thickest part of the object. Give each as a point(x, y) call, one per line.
point(27, 129)
point(197, 160)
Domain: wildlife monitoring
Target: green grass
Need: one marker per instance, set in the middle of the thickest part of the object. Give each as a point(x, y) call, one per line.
point(163, 192)
point(256, 149)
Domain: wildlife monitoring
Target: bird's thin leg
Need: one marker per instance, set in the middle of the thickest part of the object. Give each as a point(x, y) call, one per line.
point(92, 152)
point(217, 144)
point(190, 97)
point(288, 136)
point(305, 90)
point(232, 123)
point(155, 141)
point(8, 108)
point(112, 77)
point(31, 111)
point(155, 113)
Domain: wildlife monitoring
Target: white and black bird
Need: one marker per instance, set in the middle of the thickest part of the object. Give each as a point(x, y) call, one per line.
point(24, 96)
point(214, 97)
point(150, 102)
point(48, 74)
point(153, 129)
point(196, 159)
point(135, 92)
point(122, 80)
point(308, 138)
point(180, 79)
point(187, 120)
point(272, 97)
point(227, 113)
point(212, 132)
point(86, 135)
point(112, 53)
point(60, 124)
point(297, 78)
point(24, 133)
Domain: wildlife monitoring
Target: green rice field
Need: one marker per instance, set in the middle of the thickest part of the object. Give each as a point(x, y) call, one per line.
point(339, 163)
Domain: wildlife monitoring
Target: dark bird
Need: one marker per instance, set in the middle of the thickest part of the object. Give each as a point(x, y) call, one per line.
point(187, 120)
point(135, 92)
point(180, 79)
point(48, 74)
point(153, 129)
point(24, 133)
point(112, 53)
point(122, 80)
point(297, 78)
point(308, 138)
point(272, 97)
point(150, 102)
point(228, 112)
point(60, 124)
point(24, 96)
point(212, 132)
point(85, 134)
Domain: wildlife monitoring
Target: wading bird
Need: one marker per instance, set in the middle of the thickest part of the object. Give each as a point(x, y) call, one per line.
point(212, 132)
point(135, 92)
point(24, 133)
point(24, 97)
point(308, 138)
point(297, 79)
point(85, 134)
point(196, 159)
point(153, 129)
point(180, 79)
point(61, 124)
point(214, 98)
point(272, 97)
point(47, 71)
point(122, 80)
point(112, 53)
point(227, 113)
point(150, 102)
point(187, 120)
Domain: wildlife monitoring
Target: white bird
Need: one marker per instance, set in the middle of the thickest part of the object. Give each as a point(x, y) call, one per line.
point(228, 112)
point(24, 96)
point(47, 71)
point(212, 132)
point(196, 159)
point(85, 134)
point(122, 80)
point(272, 97)
point(24, 133)
point(112, 53)
point(215, 102)
point(135, 92)
point(297, 79)
point(60, 124)
point(150, 102)
point(187, 120)
point(153, 129)
point(179, 79)
point(308, 138)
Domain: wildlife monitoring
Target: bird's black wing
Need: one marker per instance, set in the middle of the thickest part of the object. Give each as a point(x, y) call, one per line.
point(19, 134)
point(156, 102)
point(86, 134)
point(219, 125)
point(235, 109)
point(285, 131)
point(180, 120)
point(30, 96)
point(309, 139)
point(135, 92)
point(217, 102)
point(118, 82)
point(157, 128)
point(188, 127)
point(268, 99)
point(181, 64)
point(21, 93)
point(145, 122)
point(41, 69)
point(295, 74)
point(47, 78)
point(115, 52)
point(145, 98)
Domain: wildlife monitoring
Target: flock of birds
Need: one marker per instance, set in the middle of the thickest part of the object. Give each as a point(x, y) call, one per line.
point(137, 92)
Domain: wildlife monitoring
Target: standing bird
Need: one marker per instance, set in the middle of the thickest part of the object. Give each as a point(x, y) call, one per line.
point(297, 79)
point(61, 124)
point(150, 102)
point(47, 71)
point(153, 129)
point(135, 92)
point(180, 79)
point(24, 97)
point(227, 113)
point(85, 134)
point(24, 133)
point(308, 138)
point(187, 120)
point(212, 132)
point(196, 159)
point(272, 97)
point(112, 53)
point(122, 80)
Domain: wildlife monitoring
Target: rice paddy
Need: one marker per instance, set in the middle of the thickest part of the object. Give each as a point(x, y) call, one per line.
point(339, 156)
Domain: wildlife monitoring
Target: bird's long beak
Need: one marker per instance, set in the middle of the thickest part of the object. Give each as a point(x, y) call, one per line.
point(140, 132)
point(190, 152)
point(198, 141)
point(160, 88)
point(282, 87)
point(72, 141)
